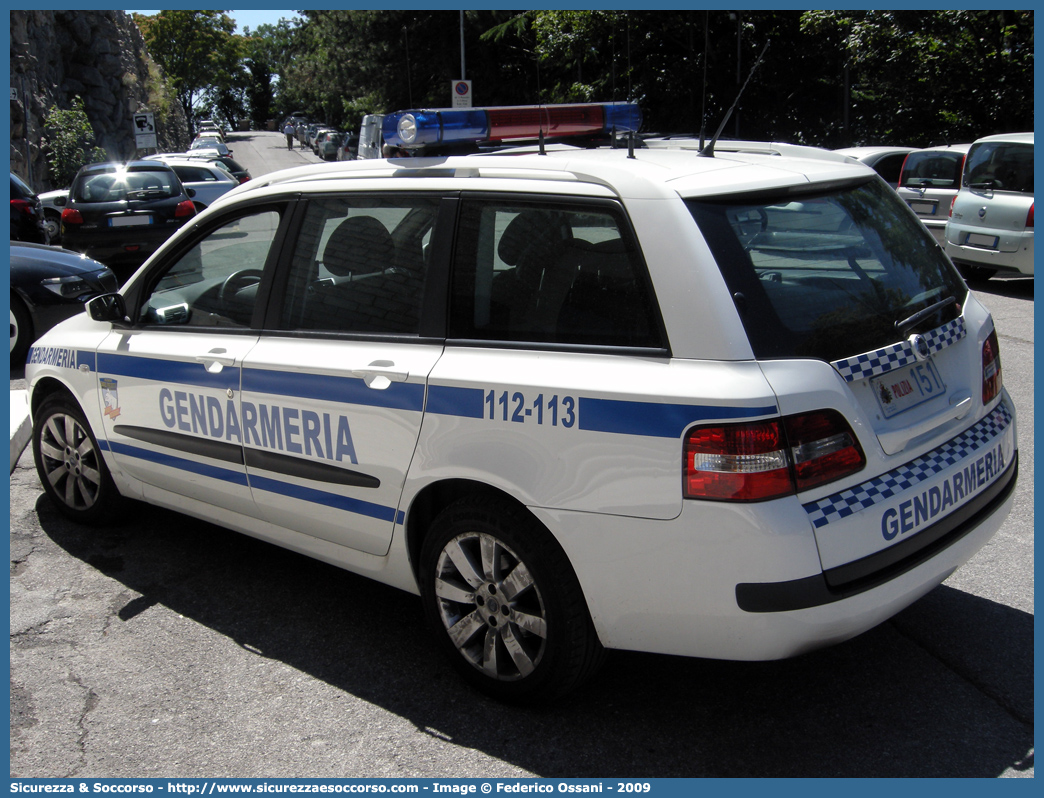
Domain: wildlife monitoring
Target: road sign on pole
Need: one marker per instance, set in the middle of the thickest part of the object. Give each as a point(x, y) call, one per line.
point(144, 131)
point(461, 92)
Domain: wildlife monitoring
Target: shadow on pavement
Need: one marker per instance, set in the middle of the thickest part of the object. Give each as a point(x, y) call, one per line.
point(945, 689)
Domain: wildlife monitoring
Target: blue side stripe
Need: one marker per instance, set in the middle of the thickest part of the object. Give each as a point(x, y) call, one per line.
point(180, 463)
point(183, 373)
point(655, 420)
point(326, 388)
point(463, 402)
point(357, 506)
point(346, 503)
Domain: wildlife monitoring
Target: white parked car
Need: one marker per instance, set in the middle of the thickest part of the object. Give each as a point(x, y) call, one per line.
point(929, 181)
point(737, 406)
point(210, 143)
point(990, 228)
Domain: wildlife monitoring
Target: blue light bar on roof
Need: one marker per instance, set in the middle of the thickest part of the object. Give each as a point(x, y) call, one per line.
point(424, 128)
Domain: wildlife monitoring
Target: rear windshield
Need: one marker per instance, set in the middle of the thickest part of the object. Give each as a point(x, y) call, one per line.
point(1000, 166)
point(932, 170)
point(117, 184)
point(829, 275)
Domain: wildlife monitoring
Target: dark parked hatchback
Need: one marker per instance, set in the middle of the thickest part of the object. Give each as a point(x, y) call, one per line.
point(120, 213)
point(26, 213)
point(48, 285)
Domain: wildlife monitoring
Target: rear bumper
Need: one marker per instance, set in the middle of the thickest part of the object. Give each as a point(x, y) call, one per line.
point(746, 581)
point(851, 579)
point(1012, 259)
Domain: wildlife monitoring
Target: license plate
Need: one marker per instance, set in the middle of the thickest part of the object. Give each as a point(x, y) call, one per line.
point(129, 221)
point(907, 387)
point(979, 240)
point(923, 207)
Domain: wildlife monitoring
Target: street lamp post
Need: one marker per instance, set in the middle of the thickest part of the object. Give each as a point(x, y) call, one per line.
point(409, 80)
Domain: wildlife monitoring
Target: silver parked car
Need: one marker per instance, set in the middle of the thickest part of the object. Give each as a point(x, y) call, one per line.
point(991, 224)
point(929, 182)
point(205, 181)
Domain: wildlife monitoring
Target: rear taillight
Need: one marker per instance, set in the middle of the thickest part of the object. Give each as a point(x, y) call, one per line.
point(992, 380)
point(185, 208)
point(242, 180)
point(71, 216)
point(951, 204)
point(767, 459)
point(822, 448)
point(22, 206)
point(903, 173)
point(1029, 217)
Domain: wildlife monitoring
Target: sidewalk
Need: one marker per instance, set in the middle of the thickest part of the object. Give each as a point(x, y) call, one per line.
point(20, 426)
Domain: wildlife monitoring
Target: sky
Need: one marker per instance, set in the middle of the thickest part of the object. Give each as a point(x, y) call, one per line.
point(247, 19)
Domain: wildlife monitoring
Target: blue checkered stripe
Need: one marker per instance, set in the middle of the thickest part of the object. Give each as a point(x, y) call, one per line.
point(863, 497)
point(881, 361)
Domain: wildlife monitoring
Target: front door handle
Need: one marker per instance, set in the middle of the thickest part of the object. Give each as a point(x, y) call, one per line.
point(380, 374)
point(215, 360)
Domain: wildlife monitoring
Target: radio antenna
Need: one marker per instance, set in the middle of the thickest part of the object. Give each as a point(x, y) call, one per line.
point(708, 152)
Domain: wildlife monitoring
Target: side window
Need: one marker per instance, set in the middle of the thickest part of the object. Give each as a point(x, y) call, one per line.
point(360, 266)
point(215, 283)
point(889, 167)
point(549, 274)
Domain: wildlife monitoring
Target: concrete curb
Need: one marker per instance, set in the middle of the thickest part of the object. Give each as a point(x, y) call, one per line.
point(21, 428)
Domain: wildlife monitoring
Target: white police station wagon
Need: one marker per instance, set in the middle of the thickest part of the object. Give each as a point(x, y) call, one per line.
point(735, 404)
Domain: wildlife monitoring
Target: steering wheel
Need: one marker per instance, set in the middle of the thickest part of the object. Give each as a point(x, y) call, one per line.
point(236, 282)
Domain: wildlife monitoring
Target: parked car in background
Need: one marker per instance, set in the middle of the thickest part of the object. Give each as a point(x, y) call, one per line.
point(310, 133)
point(210, 143)
point(119, 213)
point(886, 161)
point(210, 132)
point(990, 228)
point(239, 172)
point(327, 143)
point(929, 181)
point(370, 138)
point(27, 219)
point(53, 202)
point(48, 285)
point(348, 149)
point(319, 137)
point(204, 181)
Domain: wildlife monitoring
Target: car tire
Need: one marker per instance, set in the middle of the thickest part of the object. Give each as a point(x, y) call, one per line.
point(21, 331)
point(70, 465)
point(976, 273)
point(504, 603)
point(52, 223)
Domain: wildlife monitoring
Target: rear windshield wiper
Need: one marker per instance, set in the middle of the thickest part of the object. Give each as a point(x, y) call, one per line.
point(148, 192)
point(921, 315)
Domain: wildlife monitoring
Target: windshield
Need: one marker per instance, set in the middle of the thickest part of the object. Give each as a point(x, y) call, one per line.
point(1001, 166)
point(932, 169)
point(116, 185)
point(829, 275)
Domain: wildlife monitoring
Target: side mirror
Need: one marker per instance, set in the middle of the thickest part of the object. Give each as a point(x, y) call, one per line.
point(191, 192)
point(107, 307)
point(60, 201)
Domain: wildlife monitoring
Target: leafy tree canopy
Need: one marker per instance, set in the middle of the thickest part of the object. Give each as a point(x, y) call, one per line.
point(831, 78)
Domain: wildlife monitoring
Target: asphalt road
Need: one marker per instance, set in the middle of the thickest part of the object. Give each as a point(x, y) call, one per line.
point(167, 647)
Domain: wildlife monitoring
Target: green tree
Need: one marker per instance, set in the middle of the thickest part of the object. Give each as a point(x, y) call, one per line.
point(199, 53)
point(69, 142)
point(919, 77)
